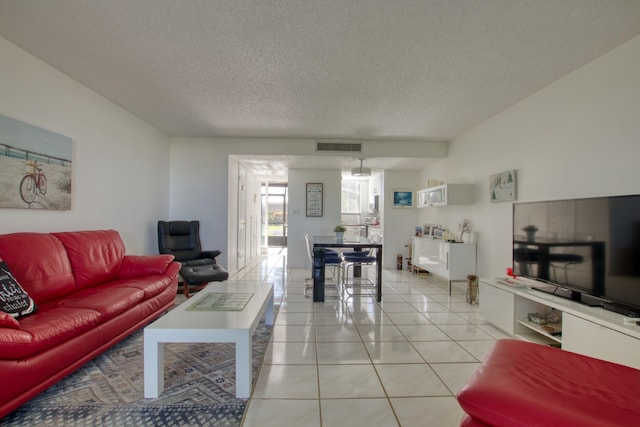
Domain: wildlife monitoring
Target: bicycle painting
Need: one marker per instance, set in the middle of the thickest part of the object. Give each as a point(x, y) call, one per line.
point(35, 167)
point(33, 182)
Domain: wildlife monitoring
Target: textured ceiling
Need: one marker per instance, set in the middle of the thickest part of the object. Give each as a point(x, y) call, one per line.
point(349, 69)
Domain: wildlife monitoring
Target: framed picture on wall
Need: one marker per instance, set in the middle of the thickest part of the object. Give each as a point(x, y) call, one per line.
point(402, 198)
point(36, 167)
point(502, 186)
point(314, 199)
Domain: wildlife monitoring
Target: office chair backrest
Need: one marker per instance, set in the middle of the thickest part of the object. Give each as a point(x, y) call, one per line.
point(180, 239)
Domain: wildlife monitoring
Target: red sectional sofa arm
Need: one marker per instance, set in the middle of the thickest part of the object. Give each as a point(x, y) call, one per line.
point(144, 265)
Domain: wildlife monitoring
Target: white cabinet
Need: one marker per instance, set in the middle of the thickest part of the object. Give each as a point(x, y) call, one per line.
point(595, 340)
point(447, 194)
point(591, 331)
point(498, 307)
point(449, 261)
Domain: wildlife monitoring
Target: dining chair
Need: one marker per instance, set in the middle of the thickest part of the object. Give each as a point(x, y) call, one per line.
point(332, 259)
point(354, 259)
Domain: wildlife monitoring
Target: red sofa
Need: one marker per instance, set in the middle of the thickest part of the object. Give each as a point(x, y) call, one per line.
point(89, 296)
point(521, 384)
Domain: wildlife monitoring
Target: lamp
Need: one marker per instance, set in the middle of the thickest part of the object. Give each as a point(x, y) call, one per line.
point(361, 171)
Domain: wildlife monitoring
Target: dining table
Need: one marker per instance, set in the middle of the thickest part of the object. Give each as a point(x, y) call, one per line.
point(357, 243)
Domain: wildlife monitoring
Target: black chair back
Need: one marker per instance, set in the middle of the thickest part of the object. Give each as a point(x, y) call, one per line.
point(180, 239)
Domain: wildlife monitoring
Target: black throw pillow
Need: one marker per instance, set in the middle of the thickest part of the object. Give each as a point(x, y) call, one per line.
point(13, 299)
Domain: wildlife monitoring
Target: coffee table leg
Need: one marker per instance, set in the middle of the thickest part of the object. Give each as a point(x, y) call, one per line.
point(153, 366)
point(268, 312)
point(244, 369)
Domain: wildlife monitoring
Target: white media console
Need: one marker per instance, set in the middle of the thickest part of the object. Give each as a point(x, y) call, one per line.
point(591, 331)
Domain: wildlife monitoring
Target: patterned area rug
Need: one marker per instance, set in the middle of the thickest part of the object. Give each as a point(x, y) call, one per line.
point(108, 391)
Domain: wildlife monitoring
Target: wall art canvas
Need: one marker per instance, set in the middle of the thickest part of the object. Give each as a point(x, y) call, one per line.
point(35, 167)
point(402, 198)
point(314, 199)
point(502, 186)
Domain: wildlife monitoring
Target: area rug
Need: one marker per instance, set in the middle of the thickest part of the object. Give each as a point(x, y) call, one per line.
point(108, 391)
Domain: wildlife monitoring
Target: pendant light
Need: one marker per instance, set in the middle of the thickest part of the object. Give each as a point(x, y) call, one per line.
point(361, 171)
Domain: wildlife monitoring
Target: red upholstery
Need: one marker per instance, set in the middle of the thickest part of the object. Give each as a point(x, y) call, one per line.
point(39, 263)
point(134, 266)
point(8, 321)
point(525, 384)
point(95, 256)
point(50, 327)
point(89, 295)
point(108, 304)
point(467, 421)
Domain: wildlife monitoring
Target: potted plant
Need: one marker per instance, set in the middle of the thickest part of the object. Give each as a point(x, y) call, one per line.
point(464, 227)
point(339, 232)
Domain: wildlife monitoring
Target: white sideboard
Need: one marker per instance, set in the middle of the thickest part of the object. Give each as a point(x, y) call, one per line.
point(591, 331)
point(449, 261)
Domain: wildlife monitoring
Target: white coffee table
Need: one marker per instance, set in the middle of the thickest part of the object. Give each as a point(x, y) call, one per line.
point(181, 325)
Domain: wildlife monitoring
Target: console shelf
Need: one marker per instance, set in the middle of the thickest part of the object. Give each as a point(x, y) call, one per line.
point(536, 333)
point(591, 331)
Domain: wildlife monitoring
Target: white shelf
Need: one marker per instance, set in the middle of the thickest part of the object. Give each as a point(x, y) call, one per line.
point(540, 333)
point(446, 194)
point(537, 339)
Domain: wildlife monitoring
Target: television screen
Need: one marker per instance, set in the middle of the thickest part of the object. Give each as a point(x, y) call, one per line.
point(587, 246)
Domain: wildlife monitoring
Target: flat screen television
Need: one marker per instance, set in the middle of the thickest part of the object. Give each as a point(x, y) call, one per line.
point(586, 249)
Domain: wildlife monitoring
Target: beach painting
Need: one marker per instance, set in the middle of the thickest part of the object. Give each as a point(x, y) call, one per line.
point(35, 167)
point(502, 186)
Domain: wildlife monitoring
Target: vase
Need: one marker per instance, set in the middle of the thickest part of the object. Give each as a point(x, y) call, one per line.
point(339, 236)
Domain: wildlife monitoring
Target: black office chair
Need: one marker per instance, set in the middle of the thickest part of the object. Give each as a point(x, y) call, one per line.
point(182, 240)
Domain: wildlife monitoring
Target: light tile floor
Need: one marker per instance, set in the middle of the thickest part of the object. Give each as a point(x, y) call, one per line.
point(354, 362)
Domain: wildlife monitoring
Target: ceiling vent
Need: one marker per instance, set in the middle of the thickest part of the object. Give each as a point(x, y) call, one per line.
point(338, 147)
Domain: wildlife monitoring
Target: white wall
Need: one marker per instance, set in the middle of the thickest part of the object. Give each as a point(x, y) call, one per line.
point(199, 189)
point(299, 223)
point(579, 137)
point(398, 224)
point(120, 163)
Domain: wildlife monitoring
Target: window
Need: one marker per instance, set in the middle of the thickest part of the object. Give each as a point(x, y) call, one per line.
point(350, 196)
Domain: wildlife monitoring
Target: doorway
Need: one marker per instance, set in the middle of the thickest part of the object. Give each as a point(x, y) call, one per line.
point(242, 216)
point(274, 210)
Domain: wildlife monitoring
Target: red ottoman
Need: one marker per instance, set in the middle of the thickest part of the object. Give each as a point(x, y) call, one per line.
point(525, 384)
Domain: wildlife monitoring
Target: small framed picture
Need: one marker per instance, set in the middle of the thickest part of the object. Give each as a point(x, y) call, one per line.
point(438, 233)
point(402, 198)
point(429, 230)
point(502, 186)
point(314, 199)
point(418, 232)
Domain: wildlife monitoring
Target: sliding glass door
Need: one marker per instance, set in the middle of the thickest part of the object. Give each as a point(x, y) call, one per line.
point(274, 208)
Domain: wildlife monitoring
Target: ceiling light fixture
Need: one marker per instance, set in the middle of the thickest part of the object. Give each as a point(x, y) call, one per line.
point(361, 171)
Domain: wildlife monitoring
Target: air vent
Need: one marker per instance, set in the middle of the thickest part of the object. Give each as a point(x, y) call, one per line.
point(338, 147)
